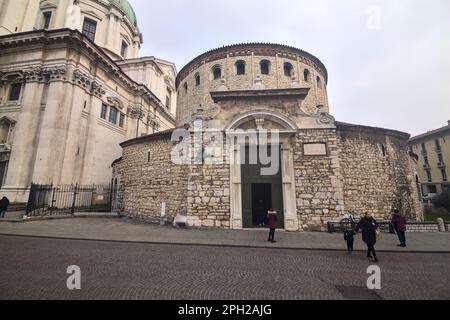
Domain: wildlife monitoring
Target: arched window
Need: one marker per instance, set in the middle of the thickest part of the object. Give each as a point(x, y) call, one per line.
point(319, 82)
point(197, 80)
point(217, 73)
point(185, 88)
point(240, 67)
point(306, 75)
point(288, 68)
point(265, 66)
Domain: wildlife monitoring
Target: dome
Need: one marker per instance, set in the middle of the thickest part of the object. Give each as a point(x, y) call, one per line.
point(126, 7)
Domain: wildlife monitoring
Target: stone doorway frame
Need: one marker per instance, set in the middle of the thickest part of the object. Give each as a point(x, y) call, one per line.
point(291, 221)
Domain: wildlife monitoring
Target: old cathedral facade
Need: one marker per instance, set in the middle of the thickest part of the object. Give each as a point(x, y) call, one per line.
point(77, 103)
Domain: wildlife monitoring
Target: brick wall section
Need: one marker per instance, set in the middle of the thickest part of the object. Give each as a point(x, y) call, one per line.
point(318, 181)
point(209, 190)
point(148, 184)
point(375, 182)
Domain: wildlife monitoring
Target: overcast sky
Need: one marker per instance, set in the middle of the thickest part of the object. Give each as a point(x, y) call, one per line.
point(388, 60)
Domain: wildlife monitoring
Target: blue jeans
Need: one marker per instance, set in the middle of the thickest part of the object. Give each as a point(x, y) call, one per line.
point(2, 214)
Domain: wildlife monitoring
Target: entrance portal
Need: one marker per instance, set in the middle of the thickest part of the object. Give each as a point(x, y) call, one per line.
point(261, 202)
point(260, 192)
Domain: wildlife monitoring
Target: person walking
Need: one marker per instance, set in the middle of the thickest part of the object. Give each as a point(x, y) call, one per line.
point(369, 227)
point(399, 223)
point(272, 223)
point(4, 204)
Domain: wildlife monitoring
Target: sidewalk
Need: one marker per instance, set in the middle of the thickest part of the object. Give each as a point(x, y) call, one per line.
point(125, 230)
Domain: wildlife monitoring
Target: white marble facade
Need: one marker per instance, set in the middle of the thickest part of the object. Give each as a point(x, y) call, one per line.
point(72, 88)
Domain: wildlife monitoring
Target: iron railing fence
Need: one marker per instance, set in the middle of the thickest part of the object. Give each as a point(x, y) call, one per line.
point(48, 200)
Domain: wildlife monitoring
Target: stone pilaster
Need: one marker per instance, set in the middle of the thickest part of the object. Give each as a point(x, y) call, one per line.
point(22, 158)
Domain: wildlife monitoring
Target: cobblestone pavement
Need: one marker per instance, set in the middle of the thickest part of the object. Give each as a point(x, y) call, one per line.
point(130, 231)
point(35, 268)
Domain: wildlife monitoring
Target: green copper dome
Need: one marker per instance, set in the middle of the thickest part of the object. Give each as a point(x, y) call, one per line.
point(128, 9)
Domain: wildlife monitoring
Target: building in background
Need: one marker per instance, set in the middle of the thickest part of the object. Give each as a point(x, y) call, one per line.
point(72, 88)
point(433, 151)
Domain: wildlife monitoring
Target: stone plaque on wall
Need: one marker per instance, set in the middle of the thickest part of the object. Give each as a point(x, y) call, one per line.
point(315, 149)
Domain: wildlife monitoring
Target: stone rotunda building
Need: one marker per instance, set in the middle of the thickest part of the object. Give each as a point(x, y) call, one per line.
point(264, 97)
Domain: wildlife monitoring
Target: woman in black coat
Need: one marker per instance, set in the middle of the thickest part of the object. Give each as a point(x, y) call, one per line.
point(4, 204)
point(368, 225)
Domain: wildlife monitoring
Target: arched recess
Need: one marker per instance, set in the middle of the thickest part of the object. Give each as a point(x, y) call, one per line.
point(282, 120)
point(261, 118)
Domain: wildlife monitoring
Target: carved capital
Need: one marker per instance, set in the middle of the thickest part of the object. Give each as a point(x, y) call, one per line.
point(135, 112)
point(87, 83)
point(152, 122)
point(97, 89)
point(81, 79)
point(43, 74)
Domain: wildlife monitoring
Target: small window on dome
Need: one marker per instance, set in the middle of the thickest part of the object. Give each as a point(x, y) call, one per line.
point(306, 75)
point(124, 49)
point(217, 73)
point(89, 28)
point(240, 67)
point(265, 66)
point(288, 68)
point(198, 80)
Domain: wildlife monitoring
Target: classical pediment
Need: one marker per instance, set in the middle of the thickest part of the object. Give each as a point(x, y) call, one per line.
point(115, 102)
point(47, 4)
point(7, 120)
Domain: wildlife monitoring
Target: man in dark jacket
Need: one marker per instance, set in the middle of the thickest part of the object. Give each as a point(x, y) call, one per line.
point(368, 225)
point(4, 204)
point(272, 223)
point(399, 223)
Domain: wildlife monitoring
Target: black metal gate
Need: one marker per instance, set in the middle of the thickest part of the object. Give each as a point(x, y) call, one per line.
point(47, 200)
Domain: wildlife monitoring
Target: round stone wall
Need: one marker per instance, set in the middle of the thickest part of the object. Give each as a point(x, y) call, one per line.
point(247, 67)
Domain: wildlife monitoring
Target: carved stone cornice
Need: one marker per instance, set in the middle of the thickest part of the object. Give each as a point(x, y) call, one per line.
point(45, 74)
point(88, 83)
